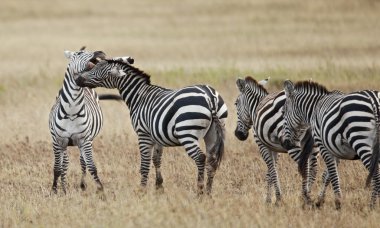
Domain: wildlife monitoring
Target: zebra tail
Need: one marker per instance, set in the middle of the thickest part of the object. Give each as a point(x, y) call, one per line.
point(374, 165)
point(110, 97)
point(218, 148)
point(307, 145)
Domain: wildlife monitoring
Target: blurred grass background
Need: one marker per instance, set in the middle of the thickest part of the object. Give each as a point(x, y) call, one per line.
point(211, 42)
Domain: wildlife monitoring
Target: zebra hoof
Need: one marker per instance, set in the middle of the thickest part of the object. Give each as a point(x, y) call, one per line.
point(160, 189)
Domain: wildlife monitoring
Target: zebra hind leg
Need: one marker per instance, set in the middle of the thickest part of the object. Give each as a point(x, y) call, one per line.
point(157, 154)
point(194, 152)
point(375, 190)
point(83, 184)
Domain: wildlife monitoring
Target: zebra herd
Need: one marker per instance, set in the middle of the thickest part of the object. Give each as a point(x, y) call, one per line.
point(304, 119)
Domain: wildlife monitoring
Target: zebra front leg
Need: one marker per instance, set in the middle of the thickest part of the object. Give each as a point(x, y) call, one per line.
point(58, 159)
point(270, 161)
point(86, 152)
point(295, 155)
point(145, 146)
point(83, 184)
point(313, 168)
point(65, 164)
point(157, 153)
point(331, 165)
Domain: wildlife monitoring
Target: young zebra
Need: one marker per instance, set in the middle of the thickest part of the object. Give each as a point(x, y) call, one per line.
point(255, 107)
point(163, 117)
point(76, 118)
point(344, 126)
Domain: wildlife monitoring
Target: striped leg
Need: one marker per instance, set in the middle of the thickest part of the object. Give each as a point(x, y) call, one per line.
point(58, 159)
point(193, 150)
point(65, 164)
point(332, 176)
point(270, 161)
point(294, 154)
point(145, 146)
point(83, 184)
point(86, 151)
point(313, 168)
point(157, 153)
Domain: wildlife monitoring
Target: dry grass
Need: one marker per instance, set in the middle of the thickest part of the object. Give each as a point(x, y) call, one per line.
point(333, 42)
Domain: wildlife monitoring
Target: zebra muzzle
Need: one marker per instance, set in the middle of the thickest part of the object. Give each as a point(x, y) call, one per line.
point(241, 135)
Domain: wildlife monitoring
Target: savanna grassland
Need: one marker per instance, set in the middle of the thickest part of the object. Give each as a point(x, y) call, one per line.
point(336, 43)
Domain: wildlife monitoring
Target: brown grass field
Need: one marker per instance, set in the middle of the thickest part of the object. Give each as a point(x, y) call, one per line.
point(179, 43)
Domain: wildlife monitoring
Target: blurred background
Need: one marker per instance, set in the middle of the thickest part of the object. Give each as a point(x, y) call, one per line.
point(179, 43)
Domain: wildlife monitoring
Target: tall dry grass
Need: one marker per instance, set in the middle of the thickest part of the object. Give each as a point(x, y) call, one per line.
point(192, 42)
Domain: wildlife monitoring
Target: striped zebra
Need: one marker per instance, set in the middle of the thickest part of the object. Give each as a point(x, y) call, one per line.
point(258, 109)
point(76, 118)
point(163, 117)
point(345, 126)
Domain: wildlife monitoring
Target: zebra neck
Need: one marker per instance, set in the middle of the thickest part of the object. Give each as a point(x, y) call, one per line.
point(308, 107)
point(133, 88)
point(71, 97)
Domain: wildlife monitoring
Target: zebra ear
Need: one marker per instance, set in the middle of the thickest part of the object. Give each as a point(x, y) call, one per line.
point(264, 81)
point(240, 84)
point(289, 88)
point(117, 72)
point(68, 54)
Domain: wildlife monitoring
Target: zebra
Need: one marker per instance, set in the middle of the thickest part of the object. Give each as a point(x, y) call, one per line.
point(164, 118)
point(76, 118)
point(345, 126)
point(258, 109)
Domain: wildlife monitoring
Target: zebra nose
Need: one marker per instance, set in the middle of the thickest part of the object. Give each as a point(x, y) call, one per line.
point(79, 81)
point(241, 135)
point(130, 60)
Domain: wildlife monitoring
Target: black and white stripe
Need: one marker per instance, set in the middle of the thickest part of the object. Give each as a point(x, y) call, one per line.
point(75, 119)
point(345, 126)
point(164, 117)
point(258, 109)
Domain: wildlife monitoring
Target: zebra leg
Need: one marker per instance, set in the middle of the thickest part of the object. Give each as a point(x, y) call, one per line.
point(375, 189)
point(195, 153)
point(83, 184)
point(58, 159)
point(295, 155)
point(86, 151)
point(145, 146)
point(332, 176)
point(313, 168)
point(157, 153)
point(269, 159)
point(65, 164)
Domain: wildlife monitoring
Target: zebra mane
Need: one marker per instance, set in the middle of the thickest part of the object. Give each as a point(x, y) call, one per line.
point(253, 81)
point(310, 85)
point(131, 69)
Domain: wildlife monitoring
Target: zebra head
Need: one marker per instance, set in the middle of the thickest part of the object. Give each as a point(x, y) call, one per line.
point(82, 60)
point(104, 74)
point(251, 93)
point(292, 120)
